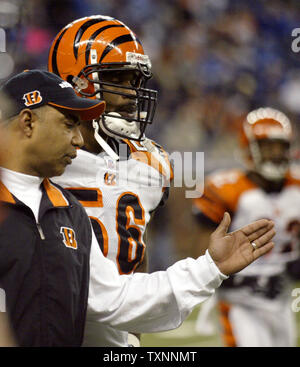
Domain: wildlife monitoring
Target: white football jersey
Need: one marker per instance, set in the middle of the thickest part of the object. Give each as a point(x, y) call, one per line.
point(234, 192)
point(119, 198)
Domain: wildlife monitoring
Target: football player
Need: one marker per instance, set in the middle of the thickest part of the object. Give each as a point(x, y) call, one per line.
point(119, 185)
point(255, 304)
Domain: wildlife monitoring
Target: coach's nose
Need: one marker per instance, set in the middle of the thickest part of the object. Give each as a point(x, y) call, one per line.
point(77, 139)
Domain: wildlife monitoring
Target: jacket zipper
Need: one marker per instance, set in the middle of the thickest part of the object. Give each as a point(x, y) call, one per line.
point(43, 323)
point(39, 227)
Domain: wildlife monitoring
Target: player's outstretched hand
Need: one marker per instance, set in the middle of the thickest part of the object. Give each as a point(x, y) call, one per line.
point(233, 251)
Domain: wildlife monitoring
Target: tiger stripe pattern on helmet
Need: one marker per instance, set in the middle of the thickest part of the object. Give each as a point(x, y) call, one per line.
point(92, 39)
point(88, 51)
point(54, 53)
point(85, 34)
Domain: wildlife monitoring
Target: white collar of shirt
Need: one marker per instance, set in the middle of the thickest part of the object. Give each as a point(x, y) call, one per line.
point(26, 188)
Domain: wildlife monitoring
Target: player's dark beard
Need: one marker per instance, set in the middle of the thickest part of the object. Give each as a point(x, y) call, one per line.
point(128, 108)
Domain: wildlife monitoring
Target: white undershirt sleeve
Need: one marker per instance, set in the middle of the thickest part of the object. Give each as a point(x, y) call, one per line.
point(144, 303)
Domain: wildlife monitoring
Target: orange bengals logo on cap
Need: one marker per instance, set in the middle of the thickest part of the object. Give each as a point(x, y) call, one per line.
point(32, 98)
point(69, 238)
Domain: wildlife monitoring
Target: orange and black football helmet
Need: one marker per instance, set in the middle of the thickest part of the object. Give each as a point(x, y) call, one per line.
point(86, 50)
point(260, 128)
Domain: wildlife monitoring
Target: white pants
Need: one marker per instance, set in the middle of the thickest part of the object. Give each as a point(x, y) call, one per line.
point(254, 327)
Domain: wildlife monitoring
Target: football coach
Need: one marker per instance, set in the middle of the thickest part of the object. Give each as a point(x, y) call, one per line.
point(49, 276)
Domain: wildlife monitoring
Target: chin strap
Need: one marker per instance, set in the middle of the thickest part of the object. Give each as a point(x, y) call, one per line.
point(115, 126)
point(97, 136)
point(103, 143)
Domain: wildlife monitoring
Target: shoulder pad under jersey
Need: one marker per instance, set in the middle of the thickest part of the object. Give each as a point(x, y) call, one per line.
point(151, 153)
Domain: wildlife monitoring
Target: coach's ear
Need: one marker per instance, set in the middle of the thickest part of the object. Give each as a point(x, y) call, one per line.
point(27, 119)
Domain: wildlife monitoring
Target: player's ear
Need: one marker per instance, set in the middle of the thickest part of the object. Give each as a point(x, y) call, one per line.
point(27, 119)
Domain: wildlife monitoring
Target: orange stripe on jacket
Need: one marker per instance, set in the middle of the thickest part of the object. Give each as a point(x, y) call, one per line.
point(5, 195)
point(54, 194)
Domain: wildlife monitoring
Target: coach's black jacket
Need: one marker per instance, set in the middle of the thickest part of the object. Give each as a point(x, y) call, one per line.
point(44, 269)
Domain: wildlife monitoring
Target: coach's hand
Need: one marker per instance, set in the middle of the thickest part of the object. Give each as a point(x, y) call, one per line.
point(233, 251)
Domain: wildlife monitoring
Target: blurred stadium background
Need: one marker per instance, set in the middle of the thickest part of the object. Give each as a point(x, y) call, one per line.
point(213, 61)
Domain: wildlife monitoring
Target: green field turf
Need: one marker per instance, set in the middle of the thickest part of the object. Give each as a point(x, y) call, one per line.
point(186, 336)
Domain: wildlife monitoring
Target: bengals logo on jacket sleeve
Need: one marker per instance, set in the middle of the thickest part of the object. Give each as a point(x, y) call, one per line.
point(32, 98)
point(69, 238)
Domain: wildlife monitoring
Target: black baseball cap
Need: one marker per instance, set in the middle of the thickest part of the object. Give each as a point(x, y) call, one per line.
point(35, 88)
